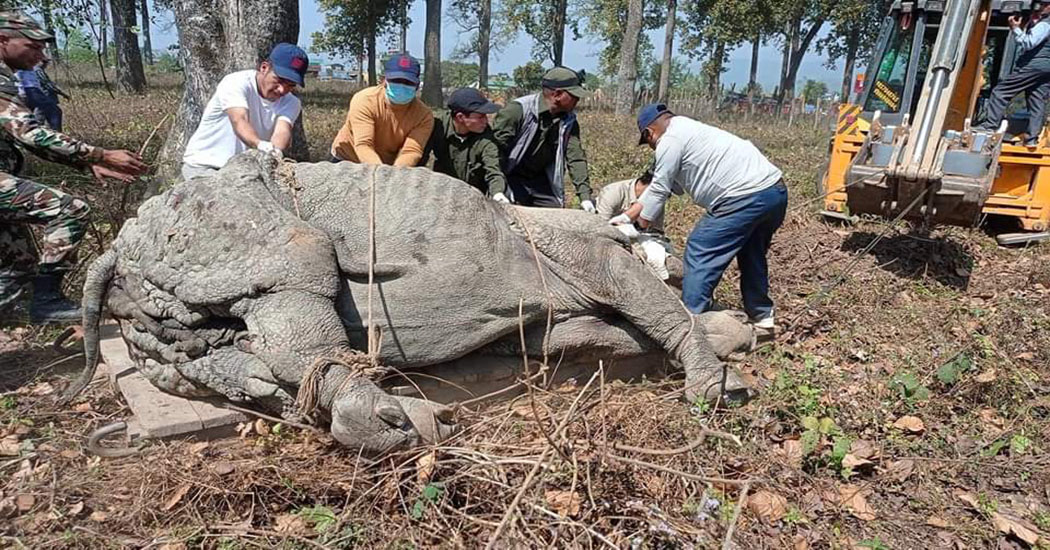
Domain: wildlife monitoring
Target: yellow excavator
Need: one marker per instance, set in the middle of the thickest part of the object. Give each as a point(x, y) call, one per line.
point(906, 149)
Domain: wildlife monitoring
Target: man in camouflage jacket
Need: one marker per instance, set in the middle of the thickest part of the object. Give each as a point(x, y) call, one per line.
point(22, 202)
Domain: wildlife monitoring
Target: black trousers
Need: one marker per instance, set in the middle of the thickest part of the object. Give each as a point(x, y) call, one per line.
point(1035, 84)
point(532, 192)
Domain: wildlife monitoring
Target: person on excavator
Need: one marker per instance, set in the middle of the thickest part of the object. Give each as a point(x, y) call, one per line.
point(1031, 75)
point(22, 201)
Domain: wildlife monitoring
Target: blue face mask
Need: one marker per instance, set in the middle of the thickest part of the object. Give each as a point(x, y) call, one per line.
point(400, 94)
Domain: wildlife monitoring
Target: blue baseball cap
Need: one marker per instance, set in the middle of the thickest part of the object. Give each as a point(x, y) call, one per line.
point(402, 67)
point(289, 62)
point(647, 115)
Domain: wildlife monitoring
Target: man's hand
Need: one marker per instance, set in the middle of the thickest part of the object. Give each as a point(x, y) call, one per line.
point(501, 198)
point(122, 161)
point(101, 173)
point(622, 219)
point(269, 147)
point(1014, 21)
point(588, 207)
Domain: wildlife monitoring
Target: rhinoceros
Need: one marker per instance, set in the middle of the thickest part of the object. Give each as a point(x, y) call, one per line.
point(252, 284)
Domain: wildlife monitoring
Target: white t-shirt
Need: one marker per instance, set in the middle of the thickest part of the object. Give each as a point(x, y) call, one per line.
point(708, 163)
point(214, 142)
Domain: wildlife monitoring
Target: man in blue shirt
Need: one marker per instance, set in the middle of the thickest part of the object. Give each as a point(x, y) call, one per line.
point(742, 192)
point(1031, 75)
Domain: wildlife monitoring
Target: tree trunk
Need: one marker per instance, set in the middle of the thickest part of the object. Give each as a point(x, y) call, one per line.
point(752, 79)
point(484, 42)
point(403, 20)
point(713, 68)
point(558, 46)
point(628, 73)
point(49, 26)
point(130, 75)
point(432, 56)
point(370, 47)
point(147, 41)
point(217, 37)
point(103, 24)
point(800, 44)
point(665, 63)
point(851, 60)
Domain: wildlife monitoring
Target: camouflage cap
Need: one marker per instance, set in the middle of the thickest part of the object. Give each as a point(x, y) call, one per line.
point(15, 24)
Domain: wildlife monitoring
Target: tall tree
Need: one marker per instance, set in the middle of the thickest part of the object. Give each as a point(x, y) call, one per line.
point(607, 20)
point(147, 41)
point(665, 63)
point(854, 30)
point(478, 36)
point(432, 56)
point(217, 37)
point(103, 25)
point(628, 73)
point(752, 76)
point(802, 21)
point(351, 28)
point(130, 75)
point(544, 21)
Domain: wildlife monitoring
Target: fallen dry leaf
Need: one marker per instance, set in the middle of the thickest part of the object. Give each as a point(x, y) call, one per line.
point(425, 467)
point(197, 449)
point(987, 376)
point(854, 462)
point(1010, 525)
point(244, 429)
point(800, 543)
point(937, 521)
point(792, 451)
point(966, 497)
point(1026, 356)
point(43, 388)
point(291, 524)
point(76, 509)
point(855, 499)
point(223, 468)
point(565, 503)
point(83, 407)
point(25, 502)
point(899, 470)
point(98, 516)
point(176, 496)
point(261, 428)
point(69, 453)
point(524, 410)
point(911, 424)
point(862, 448)
point(767, 505)
point(10, 446)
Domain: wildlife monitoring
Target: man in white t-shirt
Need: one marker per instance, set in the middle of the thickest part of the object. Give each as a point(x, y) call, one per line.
point(252, 109)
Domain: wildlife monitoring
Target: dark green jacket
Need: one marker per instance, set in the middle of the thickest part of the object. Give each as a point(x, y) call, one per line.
point(473, 158)
point(543, 150)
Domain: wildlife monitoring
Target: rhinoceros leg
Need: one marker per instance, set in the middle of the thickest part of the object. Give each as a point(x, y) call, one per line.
point(593, 259)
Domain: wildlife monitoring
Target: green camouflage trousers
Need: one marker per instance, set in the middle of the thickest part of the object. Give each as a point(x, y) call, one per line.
point(64, 219)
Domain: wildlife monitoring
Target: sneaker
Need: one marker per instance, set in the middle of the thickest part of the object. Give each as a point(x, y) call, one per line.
point(764, 323)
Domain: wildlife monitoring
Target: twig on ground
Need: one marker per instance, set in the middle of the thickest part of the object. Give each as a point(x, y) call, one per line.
point(727, 543)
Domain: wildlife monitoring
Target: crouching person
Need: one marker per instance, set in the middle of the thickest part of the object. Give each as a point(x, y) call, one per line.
point(463, 145)
point(64, 218)
point(614, 200)
point(252, 109)
point(744, 196)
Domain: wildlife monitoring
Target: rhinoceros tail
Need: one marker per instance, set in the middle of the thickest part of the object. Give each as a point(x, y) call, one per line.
point(98, 276)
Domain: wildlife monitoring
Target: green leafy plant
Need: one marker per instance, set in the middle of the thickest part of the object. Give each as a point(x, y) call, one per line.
point(950, 372)
point(910, 388)
point(321, 517)
point(429, 496)
point(873, 544)
point(1019, 445)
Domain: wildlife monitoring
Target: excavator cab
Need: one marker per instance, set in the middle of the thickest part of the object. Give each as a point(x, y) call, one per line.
point(907, 148)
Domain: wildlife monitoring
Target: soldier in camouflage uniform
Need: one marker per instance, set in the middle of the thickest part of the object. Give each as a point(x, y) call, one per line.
point(22, 202)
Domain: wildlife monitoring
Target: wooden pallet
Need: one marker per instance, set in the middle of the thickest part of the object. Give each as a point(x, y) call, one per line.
point(157, 414)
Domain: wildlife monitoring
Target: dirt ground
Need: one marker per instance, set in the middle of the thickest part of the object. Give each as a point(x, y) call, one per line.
point(906, 407)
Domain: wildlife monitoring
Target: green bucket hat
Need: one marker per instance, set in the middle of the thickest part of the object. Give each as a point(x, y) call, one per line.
point(15, 24)
point(564, 78)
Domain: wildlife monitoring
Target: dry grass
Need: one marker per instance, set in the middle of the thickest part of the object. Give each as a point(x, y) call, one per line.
point(944, 327)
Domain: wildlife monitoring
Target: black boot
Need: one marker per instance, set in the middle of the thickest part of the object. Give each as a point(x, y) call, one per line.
point(48, 305)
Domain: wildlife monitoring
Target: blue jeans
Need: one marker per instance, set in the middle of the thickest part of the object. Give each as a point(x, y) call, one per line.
point(741, 228)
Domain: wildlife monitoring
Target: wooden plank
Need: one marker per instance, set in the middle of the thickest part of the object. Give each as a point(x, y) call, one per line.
point(159, 414)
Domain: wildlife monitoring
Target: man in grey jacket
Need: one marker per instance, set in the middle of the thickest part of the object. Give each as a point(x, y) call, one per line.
point(1031, 75)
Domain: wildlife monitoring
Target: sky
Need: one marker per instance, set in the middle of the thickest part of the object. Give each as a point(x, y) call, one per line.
point(579, 54)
